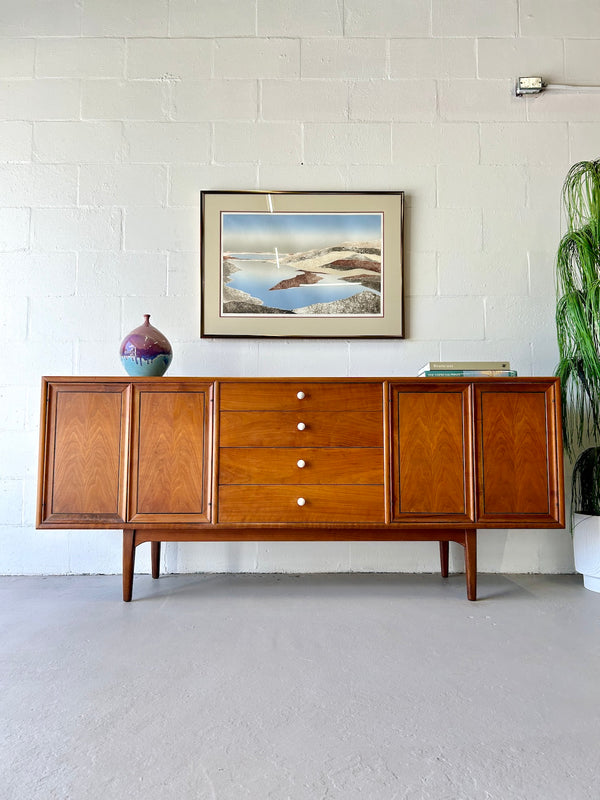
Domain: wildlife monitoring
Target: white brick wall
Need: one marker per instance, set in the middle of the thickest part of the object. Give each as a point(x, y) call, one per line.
point(79, 58)
point(15, 141)
point(339, 59)
point(347, 143)
point(581, 61)
point(169, 58)
point(28, 99)
point(400, 19)
point(210, 100)
point(202, 19)
point(433, 58)
point(261, 58)
point(116, 99)
point(14, 229)
point(402, 100)
point(305, 100)
point(38, 184)
point(115, 114)
point(72, 142)
point(125, 18)
point(473, 18)
point(299, 18)
point(16, 58)
point(123, 184)
point(262, 143)
point(75, 229)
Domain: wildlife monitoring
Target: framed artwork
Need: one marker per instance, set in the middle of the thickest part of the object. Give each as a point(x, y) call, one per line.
point(302, 264)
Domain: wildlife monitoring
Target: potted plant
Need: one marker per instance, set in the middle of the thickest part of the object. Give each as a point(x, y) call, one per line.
point(578, 333)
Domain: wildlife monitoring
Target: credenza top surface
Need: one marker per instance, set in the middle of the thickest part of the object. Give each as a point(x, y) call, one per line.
point(295, 378)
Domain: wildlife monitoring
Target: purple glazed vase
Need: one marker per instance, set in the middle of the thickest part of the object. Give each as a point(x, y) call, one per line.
point(146, 352)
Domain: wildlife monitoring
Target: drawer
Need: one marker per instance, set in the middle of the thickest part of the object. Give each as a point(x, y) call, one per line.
point(316, 396)
point(321, 429)
point(279, 504)
point(255, 465)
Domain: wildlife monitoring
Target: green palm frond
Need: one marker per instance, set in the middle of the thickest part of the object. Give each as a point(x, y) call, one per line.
point(578, 305)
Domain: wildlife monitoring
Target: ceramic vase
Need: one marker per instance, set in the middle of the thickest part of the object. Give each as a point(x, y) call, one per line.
point(146, 352)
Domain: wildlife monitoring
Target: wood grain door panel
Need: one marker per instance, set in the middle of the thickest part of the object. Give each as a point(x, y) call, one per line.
point(323, 504)
point(256, 465)
point(86, 453)
point(318, 396)
point(432, 472)
point(171, 455)
point(517, 463)
point(322, 429)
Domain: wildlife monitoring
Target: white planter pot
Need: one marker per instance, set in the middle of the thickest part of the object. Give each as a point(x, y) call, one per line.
point(586, 545)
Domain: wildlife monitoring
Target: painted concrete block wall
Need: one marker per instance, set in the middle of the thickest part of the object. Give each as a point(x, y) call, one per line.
point(115, 115)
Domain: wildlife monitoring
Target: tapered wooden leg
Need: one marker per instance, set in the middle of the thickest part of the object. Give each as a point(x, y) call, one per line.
point(444, 553)
point(155, 550)
point(471, 563)
point(128, 563)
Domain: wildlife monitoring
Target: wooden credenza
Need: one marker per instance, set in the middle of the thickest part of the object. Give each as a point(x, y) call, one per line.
point(233, 459)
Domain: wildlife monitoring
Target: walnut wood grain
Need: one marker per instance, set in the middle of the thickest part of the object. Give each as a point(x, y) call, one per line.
point(129, 545)
point(431, 454)
point(331, 504)
point(444, 558)
point(280, 465)
point(470, 546)
point(86, 452)
point(268, 395)
point(151, 440)
point(515, 454)
point(155, 559)
point(171, 461)
point(279, 429)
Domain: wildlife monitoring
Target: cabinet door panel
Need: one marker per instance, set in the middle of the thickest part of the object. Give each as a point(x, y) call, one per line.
point(171, 455)
point(517, 447)
point(86, 451)
point(432, 474)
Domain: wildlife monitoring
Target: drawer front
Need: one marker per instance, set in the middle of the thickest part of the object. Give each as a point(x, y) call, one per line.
point(321, 429)
point(256, 465)
point(299, 395)
point(279, 504)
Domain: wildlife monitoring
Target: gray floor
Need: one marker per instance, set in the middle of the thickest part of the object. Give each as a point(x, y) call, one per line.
point(312, 687)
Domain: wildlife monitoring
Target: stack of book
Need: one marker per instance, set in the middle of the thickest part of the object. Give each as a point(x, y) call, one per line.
point(467, 369)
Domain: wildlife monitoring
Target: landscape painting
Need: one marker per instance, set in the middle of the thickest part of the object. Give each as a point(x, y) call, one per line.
point(305, 264)
point(302, 264)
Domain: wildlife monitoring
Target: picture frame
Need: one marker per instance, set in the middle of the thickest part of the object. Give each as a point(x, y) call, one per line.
point(302, 264)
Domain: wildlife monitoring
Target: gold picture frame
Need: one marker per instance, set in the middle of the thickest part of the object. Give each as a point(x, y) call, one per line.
point(302, 264)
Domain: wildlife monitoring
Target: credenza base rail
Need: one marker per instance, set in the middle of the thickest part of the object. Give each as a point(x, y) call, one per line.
point(467, 538)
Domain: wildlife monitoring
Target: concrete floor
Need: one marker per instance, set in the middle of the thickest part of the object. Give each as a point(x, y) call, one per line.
point(312, 687)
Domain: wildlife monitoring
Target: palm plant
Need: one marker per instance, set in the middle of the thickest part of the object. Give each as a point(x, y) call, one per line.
point(578, 329)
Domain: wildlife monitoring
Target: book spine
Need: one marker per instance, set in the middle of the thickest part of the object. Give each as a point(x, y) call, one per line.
point(462, 365)
point(469, 373)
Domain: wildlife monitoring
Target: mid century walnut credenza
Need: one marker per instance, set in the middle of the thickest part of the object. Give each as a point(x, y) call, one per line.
point(306, 459)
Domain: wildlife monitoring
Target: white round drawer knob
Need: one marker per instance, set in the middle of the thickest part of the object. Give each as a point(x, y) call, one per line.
point(301, 426)
point(300, 395)
point(301, 501)
point(301, 464)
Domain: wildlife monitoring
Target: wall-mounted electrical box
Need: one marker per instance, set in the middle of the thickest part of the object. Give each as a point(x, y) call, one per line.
point(529, 86)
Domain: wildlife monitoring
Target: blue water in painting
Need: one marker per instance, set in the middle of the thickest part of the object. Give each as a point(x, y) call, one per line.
point(256, 277)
